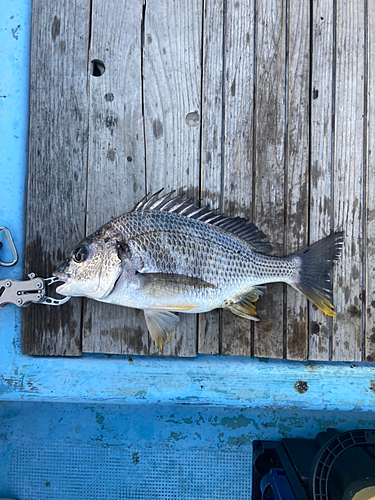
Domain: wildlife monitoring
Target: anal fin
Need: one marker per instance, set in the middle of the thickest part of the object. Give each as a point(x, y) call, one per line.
point(161, 325)
point(245, 306)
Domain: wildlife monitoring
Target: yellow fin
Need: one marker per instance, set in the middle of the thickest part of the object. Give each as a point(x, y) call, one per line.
point(161, 325)
point(245, 307)
point(315, 264)
point(322, 303)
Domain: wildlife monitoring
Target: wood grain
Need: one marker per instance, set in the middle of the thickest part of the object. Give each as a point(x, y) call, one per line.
point(57, 164)
point(348, 165)
point(172, 104)
point(369, 354)
point(209, 325)
point(116, 172)
point(321, 158)
point(297, 167)
point(216, 99)
point(238, 145)
point(269, 165)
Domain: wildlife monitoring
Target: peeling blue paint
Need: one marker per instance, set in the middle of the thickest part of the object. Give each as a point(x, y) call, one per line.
point(248, 382)
point(239, 441)
point(99, 419)
point(177, 436)
point(172, 421)
point(187, 420)
point(140, 394)
point(14, 32)
point(236, 422)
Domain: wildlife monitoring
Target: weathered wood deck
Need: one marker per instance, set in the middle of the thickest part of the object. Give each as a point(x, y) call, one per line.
point(263, 108)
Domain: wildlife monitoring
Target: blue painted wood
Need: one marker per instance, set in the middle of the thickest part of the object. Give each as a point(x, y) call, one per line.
point(206, 380)
point(14, 119)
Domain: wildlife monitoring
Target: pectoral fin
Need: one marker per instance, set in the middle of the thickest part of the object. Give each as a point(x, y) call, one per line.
point(161, 325)
point(245, 306)
point(161, 285)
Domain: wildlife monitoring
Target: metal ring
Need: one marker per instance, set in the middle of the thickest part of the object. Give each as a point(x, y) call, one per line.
point(11, 246)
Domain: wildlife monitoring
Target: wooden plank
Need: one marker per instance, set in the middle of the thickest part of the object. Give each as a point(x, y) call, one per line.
point(238, 144)
point(370, 206)
point(211, 161)
point(347, 329)
point(172, 103)
point(269, 165)
point(57, 164)
point(321, 158)
point(152, 55)
point(116, 175)
point(297, 175)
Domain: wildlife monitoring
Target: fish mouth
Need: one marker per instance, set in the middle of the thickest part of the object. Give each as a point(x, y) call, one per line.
point(61, 276)
point(65, 277)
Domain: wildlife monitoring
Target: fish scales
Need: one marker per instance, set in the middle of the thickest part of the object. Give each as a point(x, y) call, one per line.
point(169, 243)
point(169, 256)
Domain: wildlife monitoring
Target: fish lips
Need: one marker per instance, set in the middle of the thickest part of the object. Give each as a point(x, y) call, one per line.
point(63, 277)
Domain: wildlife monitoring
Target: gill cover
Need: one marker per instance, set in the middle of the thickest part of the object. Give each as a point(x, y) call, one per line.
point(110, 270)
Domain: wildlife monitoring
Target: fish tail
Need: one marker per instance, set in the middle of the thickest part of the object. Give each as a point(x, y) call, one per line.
point(315, 265)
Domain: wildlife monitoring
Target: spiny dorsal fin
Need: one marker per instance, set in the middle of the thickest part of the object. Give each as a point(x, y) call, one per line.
point(247, 231)
point(190, 208)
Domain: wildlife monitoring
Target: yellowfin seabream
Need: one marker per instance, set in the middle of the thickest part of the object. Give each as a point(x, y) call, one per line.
point(169, 255)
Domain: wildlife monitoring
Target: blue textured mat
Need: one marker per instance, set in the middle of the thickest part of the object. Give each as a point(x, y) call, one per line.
point(57, 451)
point(67, 471)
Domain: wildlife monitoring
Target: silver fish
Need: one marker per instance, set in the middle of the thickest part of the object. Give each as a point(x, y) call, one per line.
point(169, 255)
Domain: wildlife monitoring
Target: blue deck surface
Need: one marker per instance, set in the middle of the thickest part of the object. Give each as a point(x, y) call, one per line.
point(74, 451)
point(145, 427)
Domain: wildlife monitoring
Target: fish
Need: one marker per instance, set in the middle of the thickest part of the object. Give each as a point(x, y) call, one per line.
point(171, 255)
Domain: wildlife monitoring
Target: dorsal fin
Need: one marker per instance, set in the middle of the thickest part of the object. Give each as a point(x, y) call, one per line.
point(190, 208)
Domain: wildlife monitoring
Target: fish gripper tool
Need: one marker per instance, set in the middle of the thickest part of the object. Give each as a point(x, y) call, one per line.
point(33, 290)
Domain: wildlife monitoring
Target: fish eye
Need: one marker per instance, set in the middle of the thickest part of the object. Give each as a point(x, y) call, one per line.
point(80, 254)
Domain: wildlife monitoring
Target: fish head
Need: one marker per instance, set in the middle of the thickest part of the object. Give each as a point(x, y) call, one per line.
point(92, 268)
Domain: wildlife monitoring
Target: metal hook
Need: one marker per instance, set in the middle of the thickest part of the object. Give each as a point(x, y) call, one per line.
point(11, 246)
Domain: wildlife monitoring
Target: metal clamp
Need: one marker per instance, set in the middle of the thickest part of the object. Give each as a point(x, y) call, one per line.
point(23, 293)
point(11, 246)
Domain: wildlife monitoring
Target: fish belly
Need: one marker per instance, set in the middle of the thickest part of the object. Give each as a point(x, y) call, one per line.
point(187, 302)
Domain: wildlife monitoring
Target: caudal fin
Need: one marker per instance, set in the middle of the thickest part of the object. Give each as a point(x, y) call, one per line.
point(315, 267)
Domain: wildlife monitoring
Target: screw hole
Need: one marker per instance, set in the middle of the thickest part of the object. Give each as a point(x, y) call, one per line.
point(192, 119)
point(97, 67)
